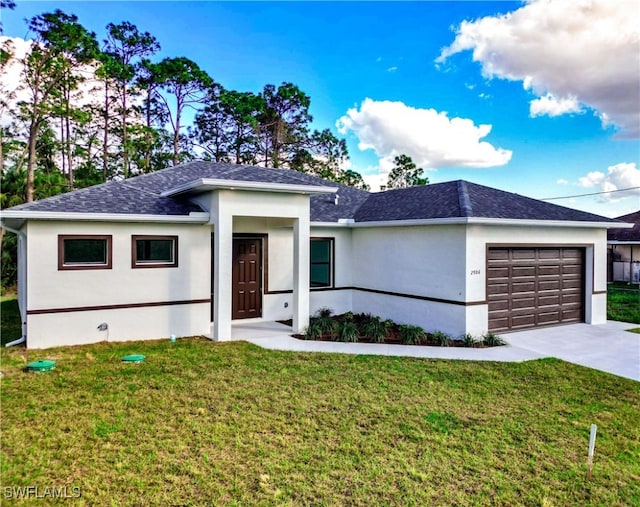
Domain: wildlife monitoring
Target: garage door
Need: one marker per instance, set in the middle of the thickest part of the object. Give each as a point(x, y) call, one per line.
point(529, 287)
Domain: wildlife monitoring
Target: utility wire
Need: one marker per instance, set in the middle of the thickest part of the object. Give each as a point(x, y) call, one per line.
point(586, 195)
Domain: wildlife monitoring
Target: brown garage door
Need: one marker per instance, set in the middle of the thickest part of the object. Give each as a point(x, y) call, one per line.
point(529, 287)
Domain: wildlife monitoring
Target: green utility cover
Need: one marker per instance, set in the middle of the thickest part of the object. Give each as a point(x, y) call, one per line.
point(133, 358)
point(41, 365)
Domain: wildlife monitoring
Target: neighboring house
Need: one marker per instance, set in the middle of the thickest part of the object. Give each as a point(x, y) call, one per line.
point(191, 249)
point(623, 253)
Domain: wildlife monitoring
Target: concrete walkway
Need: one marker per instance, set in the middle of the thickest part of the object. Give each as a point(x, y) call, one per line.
point(608, 347)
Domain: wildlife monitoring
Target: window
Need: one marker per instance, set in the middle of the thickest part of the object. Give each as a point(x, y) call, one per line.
point(84, 252)
point(321, 255)
point(154, 251)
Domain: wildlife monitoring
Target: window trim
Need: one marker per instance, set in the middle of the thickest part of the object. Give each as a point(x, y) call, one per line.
point(135, 264)
point(80, 266)
point(332, 262)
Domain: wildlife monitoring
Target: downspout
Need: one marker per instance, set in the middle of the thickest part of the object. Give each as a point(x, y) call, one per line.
point(22, 280)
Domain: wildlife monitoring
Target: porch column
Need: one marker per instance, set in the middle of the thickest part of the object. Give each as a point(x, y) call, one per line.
point(300, 274)
point(222, 268)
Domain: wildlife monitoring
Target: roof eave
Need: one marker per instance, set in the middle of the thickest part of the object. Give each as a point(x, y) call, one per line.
point(193, 217)
point(204, 184)
point(488, 221)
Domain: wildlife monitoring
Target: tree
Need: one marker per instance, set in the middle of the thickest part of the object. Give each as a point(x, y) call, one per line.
point(284, 124)
point(153, 113)
point(125, 44)
point(187, 84)
point(353, 179)
point(405, 174)
point(323, 155)
point(47, 74)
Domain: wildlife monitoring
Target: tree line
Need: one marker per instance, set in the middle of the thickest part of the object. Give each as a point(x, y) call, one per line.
point(90, 111)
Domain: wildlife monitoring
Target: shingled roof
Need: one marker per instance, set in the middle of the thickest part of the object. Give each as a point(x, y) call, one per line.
point(462, 199)
point(455, 199)
point(632, 235)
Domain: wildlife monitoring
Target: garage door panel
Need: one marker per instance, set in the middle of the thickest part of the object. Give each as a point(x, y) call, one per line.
point(518, 271)
point(498, 288)
point(572, 283)
point(545, 270)
point(549, 317)
point(517, 287)
point(499, 272)
point(549, 253)
point(502, 304)
point(572, 269)
point(572, 253)
point(523, 253)
point(528, 302)
point(528, 287)
point(548, 285)
point(498, 254)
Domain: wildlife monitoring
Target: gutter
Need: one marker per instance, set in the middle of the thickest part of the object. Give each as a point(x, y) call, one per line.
point(193, 217)
point(476, 221)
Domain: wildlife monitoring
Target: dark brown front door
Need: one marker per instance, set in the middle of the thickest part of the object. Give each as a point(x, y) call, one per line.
point(530, 287)
point(246, 279)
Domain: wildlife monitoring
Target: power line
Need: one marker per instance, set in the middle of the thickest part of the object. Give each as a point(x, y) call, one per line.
point(594, 193)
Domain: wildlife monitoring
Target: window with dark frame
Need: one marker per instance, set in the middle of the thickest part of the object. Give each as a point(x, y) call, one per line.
point(321, 268)
point(154, 251)
point(84, 251)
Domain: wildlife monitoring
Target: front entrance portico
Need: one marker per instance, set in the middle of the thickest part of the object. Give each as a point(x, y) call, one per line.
point(287, 203)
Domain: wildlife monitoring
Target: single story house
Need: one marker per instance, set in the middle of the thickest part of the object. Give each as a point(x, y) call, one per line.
point(623, 252)
point(191, 249)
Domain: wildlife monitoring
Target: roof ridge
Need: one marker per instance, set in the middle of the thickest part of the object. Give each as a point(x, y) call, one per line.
point(466, 209)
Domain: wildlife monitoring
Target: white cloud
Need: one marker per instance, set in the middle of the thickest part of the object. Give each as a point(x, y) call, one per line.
point(562, 181)
point(567, 52)
point(551, 106)
point(392, 69)
point(617, 177)
point(429, 137)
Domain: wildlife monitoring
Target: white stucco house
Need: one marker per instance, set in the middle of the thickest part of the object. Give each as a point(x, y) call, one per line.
point(192, 249)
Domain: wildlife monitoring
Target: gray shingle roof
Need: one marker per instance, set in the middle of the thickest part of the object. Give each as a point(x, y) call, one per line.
point(461, 199)
point(626, 234)
point(454, 199)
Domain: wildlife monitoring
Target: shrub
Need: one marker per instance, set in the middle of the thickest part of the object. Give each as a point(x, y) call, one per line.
point(468, 340)
point(314, 330)
point(441, 339)
point(324, 312)
point(348, 316)
point(347, 332)
point(374, 329)
point(492, 340)
point(328, 326)
point(411, 335)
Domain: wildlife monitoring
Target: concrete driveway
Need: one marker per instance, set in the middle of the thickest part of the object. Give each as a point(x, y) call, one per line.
point(606, 347)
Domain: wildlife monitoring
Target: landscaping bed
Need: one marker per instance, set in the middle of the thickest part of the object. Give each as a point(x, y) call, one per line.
point(366, 328)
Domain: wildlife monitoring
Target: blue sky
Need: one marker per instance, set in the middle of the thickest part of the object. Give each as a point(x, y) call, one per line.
point(560, 114)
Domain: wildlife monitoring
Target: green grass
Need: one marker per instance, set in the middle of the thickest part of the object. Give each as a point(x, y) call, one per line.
point(623, 303)
point(634, 330)
point(10, 328)
point(200, 423)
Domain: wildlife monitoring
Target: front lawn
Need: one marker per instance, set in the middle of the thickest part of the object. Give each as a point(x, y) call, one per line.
point(623, 303)
point(200, 423)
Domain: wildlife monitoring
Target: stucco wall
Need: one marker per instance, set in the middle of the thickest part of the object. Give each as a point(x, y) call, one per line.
point(48, 288)
point(424, 261)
